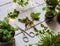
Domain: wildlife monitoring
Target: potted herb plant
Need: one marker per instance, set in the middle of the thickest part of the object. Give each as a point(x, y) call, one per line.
point(7, 33)
point(50, 12)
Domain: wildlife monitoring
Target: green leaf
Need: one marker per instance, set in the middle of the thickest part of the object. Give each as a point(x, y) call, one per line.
point(36, 30)
point(30, 44)
point(42, 25)
point(14, 1)
point(54, 13)
point(37, 34)
point(13, 14)
point(44, 8)
point(22, 2)
point(52, 2)
point(15, 29)
point(40, 31)
point(50, 13)
point(21, 20)
point(58, 6)
point(35, 16)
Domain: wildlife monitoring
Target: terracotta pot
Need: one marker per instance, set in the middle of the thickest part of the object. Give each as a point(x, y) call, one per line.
point(10, 43)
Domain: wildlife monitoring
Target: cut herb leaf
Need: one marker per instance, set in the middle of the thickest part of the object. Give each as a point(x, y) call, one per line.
point(35, 16)
point(26, 21)
point(21, 2)
point(35, 29)
point(21, 20)
point(13, 14)
point(7, 32)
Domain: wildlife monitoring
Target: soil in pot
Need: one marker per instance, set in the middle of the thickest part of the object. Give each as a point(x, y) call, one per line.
point(10, 43)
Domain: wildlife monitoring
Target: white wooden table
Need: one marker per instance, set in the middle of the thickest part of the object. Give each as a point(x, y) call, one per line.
point(9, 7)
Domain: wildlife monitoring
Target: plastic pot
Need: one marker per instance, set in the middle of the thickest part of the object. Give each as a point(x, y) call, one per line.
point(10, 43)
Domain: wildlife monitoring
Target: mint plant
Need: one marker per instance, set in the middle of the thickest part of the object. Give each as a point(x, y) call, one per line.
point(7, 31)
point(21, 2)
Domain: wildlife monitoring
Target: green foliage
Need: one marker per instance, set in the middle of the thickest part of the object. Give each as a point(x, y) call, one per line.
point(21, 2)
point(23, 20)
point(58, 6)
point(51, 3)
point(42, 25)
point(47, 37)
point(50, 13)
point(26, 21)
point(14, 1)
point(6, 31)
point(35, 16)
point(13, 14)
point(50, 8)
point(44, 29)
point(30, 44)
point(44, 8)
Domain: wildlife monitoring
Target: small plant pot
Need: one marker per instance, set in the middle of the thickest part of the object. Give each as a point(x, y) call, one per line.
point(49, 19)
point(10, 43)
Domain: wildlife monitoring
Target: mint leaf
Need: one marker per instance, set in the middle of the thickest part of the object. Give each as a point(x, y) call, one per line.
point(44, 8)
point(35, 16)
point(13, 14)
point(22, 2)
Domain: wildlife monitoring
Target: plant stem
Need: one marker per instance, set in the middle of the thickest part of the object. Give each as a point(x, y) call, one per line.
point(35, 25)
point(31, 27)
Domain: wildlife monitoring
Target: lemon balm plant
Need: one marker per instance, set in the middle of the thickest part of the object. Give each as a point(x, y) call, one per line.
point(7, 33)
point(50, 9)
point(21, 2)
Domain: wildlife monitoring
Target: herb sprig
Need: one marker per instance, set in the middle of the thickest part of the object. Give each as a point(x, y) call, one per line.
point(21, 2)
point(7, 31)
point(13, 14)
